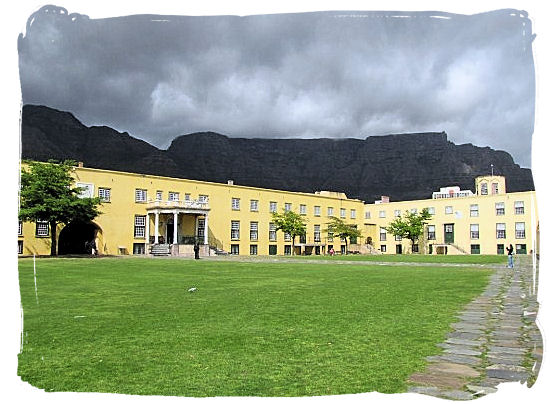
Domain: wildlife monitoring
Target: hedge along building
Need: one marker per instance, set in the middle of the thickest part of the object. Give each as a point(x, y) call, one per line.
point(463, 222)
point(144, 214)
point(168, 215)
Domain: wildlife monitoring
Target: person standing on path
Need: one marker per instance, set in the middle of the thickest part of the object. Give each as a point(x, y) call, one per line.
point(196, 249)
point(510, 251)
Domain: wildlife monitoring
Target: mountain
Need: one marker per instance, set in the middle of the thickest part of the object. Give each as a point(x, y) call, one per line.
point(402, 166)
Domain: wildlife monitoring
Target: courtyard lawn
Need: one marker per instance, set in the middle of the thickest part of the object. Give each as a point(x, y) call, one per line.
point(251, 329)
point(416, 258)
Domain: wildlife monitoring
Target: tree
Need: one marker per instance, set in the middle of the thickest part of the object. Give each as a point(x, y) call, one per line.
point(291, 223)
point(47, 194)
point(338, 228)
point(411, 226)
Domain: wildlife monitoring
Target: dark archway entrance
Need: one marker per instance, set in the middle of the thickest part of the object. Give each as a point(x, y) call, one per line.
point(74, 238)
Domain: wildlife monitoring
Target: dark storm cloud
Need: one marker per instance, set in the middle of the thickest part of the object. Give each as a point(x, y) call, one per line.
point(337, 74)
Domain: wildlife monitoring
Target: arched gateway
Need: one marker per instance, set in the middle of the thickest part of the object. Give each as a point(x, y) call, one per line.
point(75, 238)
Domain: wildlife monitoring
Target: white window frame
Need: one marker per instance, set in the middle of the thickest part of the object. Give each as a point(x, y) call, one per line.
point(272, 232)
point(330, 211)
point(431, 210)
point(235, 230)
point(272, 207)
point(173, 196)
point(474, 231)
point(288, 206)
point(203, 198)
point(139, 226)
point(317, 211)
point(20, 228)
point(448, 210)
point(253, 231)
point(383, 234)
point(431, 232)
point(520, 230)
point(500, 209)
point(236, 203)
point(316, 233)
point(42, 228)
point(141, 195)
point(519, 207)
point(158, 196)
point(303, 209)
point(501, 230)
point(104, 194)
point(382, 214)
point(253, 205)
point(367, 215)
point(397, 213)
point(352, 214)
point(343, 213)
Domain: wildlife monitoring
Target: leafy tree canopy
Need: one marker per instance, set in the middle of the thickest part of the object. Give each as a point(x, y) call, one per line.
point(410, 226)
point(47, 194)
point(338, 228)
point(291, 223)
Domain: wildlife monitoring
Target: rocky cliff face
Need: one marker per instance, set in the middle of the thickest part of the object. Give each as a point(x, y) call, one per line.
point(404, 166)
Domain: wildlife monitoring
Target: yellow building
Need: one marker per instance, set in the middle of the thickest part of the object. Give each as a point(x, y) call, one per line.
point(144, 214)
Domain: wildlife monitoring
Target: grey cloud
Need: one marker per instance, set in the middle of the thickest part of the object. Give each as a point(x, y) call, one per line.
point(340, 74)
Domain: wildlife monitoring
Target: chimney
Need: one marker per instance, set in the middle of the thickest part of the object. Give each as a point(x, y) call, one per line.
point(80, 164)
point(229, 182)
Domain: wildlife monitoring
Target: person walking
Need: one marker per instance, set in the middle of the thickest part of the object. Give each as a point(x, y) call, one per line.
point(510, 251)
point(196, 249)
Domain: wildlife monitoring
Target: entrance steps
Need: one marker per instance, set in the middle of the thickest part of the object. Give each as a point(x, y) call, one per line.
point(160, 250)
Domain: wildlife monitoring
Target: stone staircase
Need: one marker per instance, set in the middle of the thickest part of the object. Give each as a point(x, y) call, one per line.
point(160, 250)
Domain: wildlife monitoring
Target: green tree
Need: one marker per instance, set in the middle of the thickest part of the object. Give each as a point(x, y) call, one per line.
point(338, 228)
point(291, 223)
point(411, 226)
point(47, 194)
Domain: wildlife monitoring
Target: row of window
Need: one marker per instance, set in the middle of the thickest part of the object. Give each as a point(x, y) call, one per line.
point(254, 207)
point(474, 231)
point(139, 226)
point(236, 232)
point(141, 196)
point(474, 249)
point(519, 209)
point(42, 228)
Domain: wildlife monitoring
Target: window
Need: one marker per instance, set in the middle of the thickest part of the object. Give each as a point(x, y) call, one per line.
point(200, 229)
point(203, 198)
point(272, 207)
point(288, 250)
point(272, 250)
point(383, 248)
point(253, 249)
point(317, 233)
point(173, 196)
point(342, 212)
point(484, 188)
point(139, 226)
point(494, 188)
point(448, 210)
point(352, 213)
point(187, 197)
point(501, 230)
point(330, 236)
point(253, 231)
point(414, 211)
point(475, 249)
point(235, 204)
point(398, 238)
point(382, 214)
point(521, 248)
point(330, 211)
point(303, 209)
point(42, 228)
point(474, 210)
point(287, 237)
point(158, 196)
point(141, 195)
point(20, 229)
point(415, 248)
point(367, 215)
point(235, 230)
point(104, 194)
point(431, 210)
point(499, 208)
point(317, 210)
point(19, 246)
point(431, 232)
point(500, 248)
point(234, 249)
point(474, 231)
point(520, 229)
point(519, 207)
point(382, 234)
point(138, 249)
point(397, 213)
point(253, 205)
point(272, 232)
point(288, 207)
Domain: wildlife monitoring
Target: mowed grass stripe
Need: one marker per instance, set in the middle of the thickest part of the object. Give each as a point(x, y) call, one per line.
point(410, 258)
point(259, 329)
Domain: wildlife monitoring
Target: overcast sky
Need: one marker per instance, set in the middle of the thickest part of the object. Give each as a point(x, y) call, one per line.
point(331, 74)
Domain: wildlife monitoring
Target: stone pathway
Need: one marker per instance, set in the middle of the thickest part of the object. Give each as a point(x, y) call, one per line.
point(495, 340)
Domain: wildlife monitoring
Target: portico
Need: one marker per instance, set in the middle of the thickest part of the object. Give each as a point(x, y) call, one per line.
point(176, 226)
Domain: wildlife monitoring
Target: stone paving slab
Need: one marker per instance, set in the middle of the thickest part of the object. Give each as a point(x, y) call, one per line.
point(490, 344)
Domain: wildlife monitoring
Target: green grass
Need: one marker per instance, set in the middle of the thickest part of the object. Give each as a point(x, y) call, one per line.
point(262, 329)
point(416, 258)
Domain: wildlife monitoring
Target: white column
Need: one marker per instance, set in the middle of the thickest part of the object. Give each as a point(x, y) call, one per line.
point(175, 228)
point(156, 227)
point(147, 228)
point(206, 229)
point(196, 225)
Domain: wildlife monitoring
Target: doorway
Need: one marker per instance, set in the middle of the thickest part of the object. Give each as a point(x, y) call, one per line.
point(449, 233)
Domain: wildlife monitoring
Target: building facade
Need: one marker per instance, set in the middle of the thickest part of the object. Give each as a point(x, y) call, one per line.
point(147, 214)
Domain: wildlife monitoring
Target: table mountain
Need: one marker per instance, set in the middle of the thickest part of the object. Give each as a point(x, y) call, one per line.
point(403, 166)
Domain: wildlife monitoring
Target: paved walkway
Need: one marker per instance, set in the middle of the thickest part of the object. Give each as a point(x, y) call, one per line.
point(495, 340)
